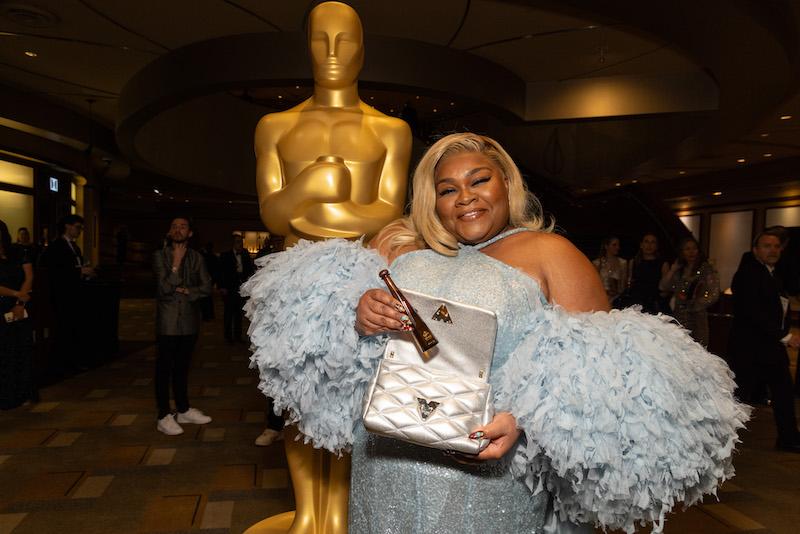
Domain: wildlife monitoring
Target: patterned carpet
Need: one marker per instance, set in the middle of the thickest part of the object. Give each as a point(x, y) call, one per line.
point(88, 459)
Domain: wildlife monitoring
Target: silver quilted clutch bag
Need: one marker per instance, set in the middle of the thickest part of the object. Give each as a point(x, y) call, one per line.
point(436, 402)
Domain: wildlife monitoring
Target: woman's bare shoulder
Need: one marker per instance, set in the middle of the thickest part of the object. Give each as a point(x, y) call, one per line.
point(566, 273)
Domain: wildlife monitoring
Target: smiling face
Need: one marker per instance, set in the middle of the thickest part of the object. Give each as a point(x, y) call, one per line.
point(471, 197)
point(335, 40)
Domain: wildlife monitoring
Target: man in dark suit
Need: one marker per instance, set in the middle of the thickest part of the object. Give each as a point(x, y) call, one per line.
point(66, 270)
point(760, 335)
point(236, 266)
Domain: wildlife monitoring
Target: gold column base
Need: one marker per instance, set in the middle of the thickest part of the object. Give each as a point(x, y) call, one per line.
point(277, 524)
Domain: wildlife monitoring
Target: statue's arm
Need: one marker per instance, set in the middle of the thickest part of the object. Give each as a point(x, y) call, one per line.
point(269, 176)
point(394, 174)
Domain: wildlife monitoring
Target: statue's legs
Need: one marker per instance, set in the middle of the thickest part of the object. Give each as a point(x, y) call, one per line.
point(321, 484)
point(336, 494)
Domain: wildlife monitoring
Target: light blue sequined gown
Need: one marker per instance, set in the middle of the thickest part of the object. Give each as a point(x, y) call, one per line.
point(402, 488)
point(626, 415)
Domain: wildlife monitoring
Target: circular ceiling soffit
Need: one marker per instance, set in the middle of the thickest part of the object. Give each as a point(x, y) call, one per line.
point(28, 15)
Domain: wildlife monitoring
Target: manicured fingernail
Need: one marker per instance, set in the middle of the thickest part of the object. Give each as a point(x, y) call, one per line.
point(398, 307)
point(407, 327)
point(477, 435)
point(404, 318)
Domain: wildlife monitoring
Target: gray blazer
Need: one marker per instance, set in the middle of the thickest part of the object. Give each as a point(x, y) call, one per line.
point(178, 314)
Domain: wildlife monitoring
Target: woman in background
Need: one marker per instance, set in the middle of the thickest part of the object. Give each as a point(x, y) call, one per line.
point(647, 269)
point(694, 284)
point(613, 270)
point(16, 333)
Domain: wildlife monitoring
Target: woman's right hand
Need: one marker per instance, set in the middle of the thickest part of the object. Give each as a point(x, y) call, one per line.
point(377, 312)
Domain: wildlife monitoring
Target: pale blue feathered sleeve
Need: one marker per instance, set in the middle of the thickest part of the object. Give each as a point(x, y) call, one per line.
point(311, 360)
point(624, 415)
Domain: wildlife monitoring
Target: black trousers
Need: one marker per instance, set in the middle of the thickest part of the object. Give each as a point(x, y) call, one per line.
point(172, 366)
point(774, 372)
point(233, 315)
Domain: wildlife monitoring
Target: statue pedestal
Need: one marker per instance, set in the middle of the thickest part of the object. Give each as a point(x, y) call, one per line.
point(277, 524)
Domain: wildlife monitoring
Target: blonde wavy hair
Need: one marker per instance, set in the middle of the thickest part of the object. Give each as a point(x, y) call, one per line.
point(423, 228)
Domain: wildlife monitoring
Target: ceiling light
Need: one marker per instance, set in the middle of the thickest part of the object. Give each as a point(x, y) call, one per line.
point(768, 154)
point(765, 134)
point(435, 110)
point(187, 200)
point(372, 98)
point(417, 97)
point(634, 181)
point(740, 160)
point(717, 193)
point(618, 184)
point(31, 53)
point(681, 172)
point(452, 103)
point(280, 97)
point(391, 111)
point(297, 87)
point(156, 191)
point(785, 117)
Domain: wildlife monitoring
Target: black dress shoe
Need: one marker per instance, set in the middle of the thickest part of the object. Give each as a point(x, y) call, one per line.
point(788, 446)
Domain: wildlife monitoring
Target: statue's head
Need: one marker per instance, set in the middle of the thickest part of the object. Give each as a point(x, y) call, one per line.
point(336, 43)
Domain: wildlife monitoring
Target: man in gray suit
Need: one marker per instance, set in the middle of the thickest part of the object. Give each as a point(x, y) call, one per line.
point(182, 280)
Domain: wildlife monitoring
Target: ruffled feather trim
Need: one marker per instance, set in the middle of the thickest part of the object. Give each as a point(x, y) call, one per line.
point(624, 414)
point(311, 360)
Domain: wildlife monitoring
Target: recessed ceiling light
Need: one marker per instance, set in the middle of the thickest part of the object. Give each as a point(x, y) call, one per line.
point(417, 97)
point(634, 181)
point(767, 154)
point(785, 117)
point(156, 191)
point(765, 134)
point(372, 98)
point(681, 172)
point(452, 103)
point(435, 110)
point(740, 160)
point(618, 184)
point(280, 97)
point(187, 200)
point(297, 87)
point(391, 111)
point(717, 193)
point(30, 53)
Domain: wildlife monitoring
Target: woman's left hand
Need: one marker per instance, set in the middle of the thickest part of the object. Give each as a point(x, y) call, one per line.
point(502, 432)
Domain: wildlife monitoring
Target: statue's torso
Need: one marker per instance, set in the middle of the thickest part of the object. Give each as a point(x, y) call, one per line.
point(328, 132)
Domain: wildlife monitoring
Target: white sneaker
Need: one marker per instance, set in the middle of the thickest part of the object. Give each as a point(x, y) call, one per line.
point(194, 416)
point(169, 426)
point(268, 437)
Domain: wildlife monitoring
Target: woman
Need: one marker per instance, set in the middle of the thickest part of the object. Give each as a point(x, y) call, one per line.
point(575, 388)
point(613, 269)
point(694, 285)
point(16, 343)
point(647, 269)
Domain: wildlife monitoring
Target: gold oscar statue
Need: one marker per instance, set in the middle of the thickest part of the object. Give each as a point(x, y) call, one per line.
point(331, 166)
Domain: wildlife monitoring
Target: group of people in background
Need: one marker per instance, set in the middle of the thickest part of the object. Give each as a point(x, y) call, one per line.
point(684, 288)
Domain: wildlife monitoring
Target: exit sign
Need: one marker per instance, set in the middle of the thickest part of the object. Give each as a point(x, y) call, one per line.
point(54, 184)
